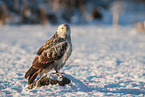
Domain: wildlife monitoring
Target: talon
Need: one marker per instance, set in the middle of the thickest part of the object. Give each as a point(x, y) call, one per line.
point(59, 74)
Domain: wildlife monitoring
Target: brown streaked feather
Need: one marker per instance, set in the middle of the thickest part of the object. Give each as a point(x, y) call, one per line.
point(50, 52)
point(30, 71)
point(50, 55)
point(33, 76)
point(49, 43)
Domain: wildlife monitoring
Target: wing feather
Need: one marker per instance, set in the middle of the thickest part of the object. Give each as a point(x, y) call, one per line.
point(49, 44)
point(50, 55)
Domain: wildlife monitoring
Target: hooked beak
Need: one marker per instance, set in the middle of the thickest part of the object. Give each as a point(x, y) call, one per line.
point(65, 29)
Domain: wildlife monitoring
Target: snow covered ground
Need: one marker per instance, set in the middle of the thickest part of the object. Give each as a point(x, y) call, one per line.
point(109, 61)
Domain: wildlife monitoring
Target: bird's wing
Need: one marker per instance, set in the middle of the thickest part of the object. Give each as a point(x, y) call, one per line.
point(47, 45)
point(50, 55)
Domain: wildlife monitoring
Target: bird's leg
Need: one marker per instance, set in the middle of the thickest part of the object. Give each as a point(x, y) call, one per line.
point(58, 74)
point(56, 71)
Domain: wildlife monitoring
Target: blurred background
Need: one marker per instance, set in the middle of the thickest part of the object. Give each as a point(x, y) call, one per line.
point(108, 12)
point(109, 51)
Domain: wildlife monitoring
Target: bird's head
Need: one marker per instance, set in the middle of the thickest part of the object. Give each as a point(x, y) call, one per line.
point(64, 31)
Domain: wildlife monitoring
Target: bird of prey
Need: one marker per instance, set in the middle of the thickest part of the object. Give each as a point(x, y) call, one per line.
point(53, 54)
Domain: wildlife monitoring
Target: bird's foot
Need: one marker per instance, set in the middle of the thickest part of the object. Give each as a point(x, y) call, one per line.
point(58, 74)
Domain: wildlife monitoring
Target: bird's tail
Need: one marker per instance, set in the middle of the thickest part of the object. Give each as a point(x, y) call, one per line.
point(32, 74)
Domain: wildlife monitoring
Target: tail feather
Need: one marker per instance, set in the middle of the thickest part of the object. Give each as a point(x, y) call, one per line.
point(32, 74)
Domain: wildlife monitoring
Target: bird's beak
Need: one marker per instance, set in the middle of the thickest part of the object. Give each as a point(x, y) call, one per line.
point(65, 28)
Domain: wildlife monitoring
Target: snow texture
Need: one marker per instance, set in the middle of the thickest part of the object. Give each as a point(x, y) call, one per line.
point(109, 61)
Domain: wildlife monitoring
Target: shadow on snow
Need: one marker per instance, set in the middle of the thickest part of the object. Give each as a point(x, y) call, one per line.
point(80, 86)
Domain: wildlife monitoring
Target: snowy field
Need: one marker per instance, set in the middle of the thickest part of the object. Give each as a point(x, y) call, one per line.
point(109, 61)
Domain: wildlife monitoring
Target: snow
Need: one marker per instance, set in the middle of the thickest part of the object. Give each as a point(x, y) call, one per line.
point(109, 61)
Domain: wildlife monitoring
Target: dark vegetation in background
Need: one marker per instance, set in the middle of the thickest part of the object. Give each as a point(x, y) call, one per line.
point(49, 11)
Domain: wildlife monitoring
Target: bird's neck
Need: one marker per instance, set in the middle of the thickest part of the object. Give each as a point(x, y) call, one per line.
point(55, 35)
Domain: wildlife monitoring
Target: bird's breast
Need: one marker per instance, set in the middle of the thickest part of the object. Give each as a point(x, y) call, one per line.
point(61, 62)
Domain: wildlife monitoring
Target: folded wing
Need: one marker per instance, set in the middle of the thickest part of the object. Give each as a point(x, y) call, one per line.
point(45, 57)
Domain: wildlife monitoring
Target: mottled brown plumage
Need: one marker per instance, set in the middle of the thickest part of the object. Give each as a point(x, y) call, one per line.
point(53, 54)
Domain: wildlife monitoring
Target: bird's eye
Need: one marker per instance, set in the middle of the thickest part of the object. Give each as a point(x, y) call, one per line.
point(62, 27)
